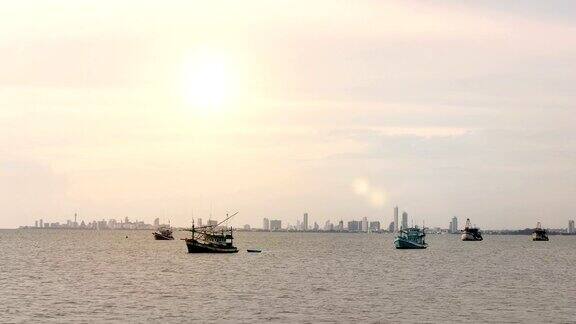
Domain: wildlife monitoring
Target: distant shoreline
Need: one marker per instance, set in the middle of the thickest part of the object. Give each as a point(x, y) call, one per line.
point(486, 232)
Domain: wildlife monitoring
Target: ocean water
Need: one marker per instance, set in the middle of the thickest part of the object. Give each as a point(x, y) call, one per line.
point(102, 276)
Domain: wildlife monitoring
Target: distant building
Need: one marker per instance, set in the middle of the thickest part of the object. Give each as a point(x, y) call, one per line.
point(275, 225)
point(266, 224)
point(364, 224)
point(305, 222)
point(41, 223)
point(391, 227)
point(396, 219)
point(404, 220)
point(36, 224)
point(157, 222)
point(316, 227)
point(246, 227)
point(354, 226)
point(199, 221)
point(571, 229)
point(454, 222)
point(341, 225)
point(375, 226)
point(212, 222)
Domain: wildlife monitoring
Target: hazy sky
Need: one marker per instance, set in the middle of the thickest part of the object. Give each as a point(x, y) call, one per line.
point(342, 109)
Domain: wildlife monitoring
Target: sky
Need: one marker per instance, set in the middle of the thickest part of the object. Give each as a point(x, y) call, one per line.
point(342, 109)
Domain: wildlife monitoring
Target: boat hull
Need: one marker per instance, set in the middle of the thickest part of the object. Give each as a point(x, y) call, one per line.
point(470, 237)
point(401, 243)
point(161, 237)
point(197, 247)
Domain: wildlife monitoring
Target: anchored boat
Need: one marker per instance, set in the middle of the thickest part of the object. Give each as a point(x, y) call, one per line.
point(471, 233)
point(211, 239)
point(539, 233)
point(410, 238)
point(163, 233)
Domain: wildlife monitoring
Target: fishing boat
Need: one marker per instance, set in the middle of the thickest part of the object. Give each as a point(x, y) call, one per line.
point(539, 233)
point(411, 238)
point(211, 239)
point(471, 233)
point(163, 233)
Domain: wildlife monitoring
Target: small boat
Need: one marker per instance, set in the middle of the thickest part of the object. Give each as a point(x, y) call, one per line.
point(253, 251)
point(470, 233)
point(163, 234)
point(539, 233)
point(411, 238)
point(210, 239)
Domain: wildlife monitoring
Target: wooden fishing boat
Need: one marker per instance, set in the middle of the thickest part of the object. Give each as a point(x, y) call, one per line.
point(411, 238)
point(539, 233)
point(163, 234)
point(211, 239)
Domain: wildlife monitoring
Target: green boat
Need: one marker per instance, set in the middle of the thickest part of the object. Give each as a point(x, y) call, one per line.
point(410, 238)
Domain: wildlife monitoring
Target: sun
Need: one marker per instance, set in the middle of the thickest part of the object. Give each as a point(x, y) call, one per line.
point(207, 82)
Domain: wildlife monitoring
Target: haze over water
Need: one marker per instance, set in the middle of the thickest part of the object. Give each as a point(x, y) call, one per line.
point(94, 276)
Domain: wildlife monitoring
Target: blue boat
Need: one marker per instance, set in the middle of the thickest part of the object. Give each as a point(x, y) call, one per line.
point(410, 238)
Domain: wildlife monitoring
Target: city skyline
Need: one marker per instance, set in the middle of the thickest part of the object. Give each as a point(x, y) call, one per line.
point(300, 224)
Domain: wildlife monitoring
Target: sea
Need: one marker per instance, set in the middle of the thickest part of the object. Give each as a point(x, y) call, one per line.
point(82, 276)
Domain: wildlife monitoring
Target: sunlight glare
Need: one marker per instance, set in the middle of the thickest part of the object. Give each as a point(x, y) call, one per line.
point(207, 82)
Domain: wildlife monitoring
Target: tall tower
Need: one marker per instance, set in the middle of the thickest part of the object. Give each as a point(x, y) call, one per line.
point(305, 222)
point(404, 220)
point(396, 219)
point(266, 224)
point(454, 223)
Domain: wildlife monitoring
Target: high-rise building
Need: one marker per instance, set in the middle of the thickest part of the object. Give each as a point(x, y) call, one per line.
point(375, 226)
point(364, 224)
point(36, 224)
point(328, 226)
point(391, 227)
point(41, 223)
point(199, 221)
point(305, 222)
point(275, 225)
point(354, 226)
point(157, 222)
point(450, 227)
point(454, 223)
point(396, 219)
point(266, 224)
point(341, 225)
point(404, 220)
point(316, 227)
point(571, 229)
